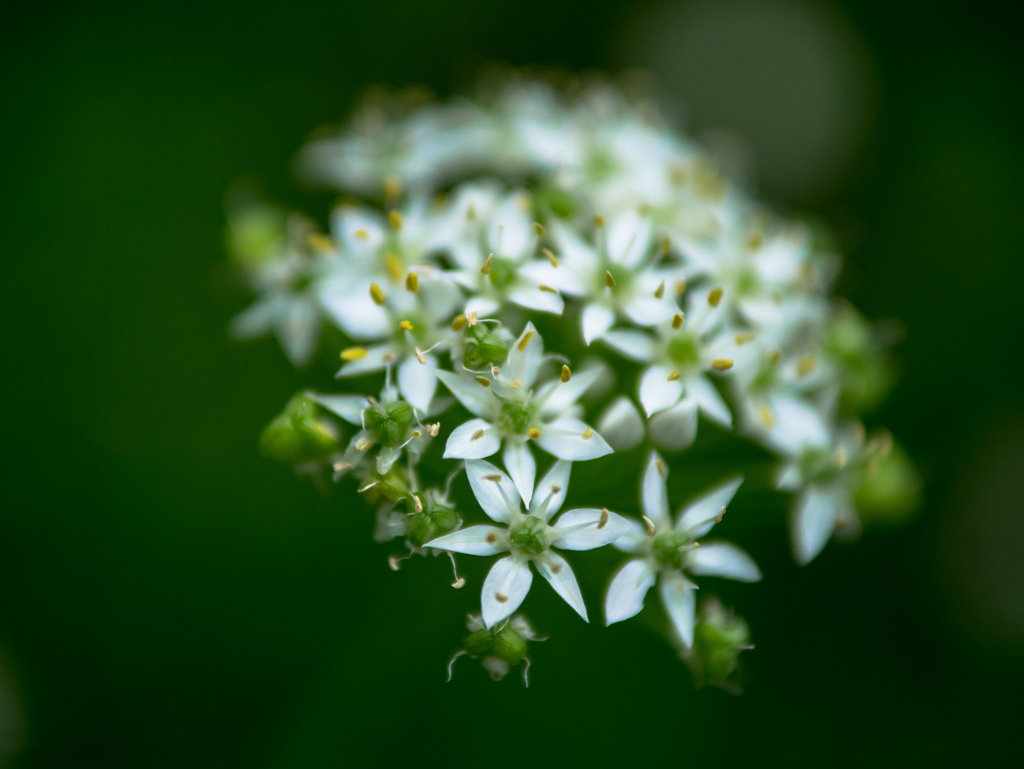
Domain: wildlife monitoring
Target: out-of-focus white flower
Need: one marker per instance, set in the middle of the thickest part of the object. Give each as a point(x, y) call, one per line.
point(667, 552)
point(528, 537)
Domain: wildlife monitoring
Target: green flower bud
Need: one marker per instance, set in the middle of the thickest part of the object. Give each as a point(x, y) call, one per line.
point(718, 639)
point(389, 488)
point(256, 234)
point(517, 418)
point(390, 423)
point(299, 433)
point(529, 535)
point(434, 521)
point(560, 201)
point(483, 349)
point(502, 272)
point(891, 489)
point(480, 643)
point(509, 646)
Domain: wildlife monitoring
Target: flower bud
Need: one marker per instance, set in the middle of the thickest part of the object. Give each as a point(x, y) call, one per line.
point(256, 233)
point(389, 422)
point(719, 637)
point(891, 488)
point(300, 433)
point(505, 644)
point(502, 272)
point(434, 521)
point(483, 349)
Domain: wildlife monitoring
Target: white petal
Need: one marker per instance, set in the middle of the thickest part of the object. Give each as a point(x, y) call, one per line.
point(499, 499)
point(521, 467)
point(814, 518)
point(511, 230)
point(504, 590)
point(258, 318)
point(438, 295)
point(532, 298)
point(653, 494)
point(657, 392)
point(674, 429)
point(566, 394)
point(348, 407)
point(476, 540)
point(556, 570)
point(635, 540)
point(626, 593)
point(556, 478)
point(797, 426)
point(561, 277)
point(465, 442)
point(418, 381)
point(648, 311)
point(635, 345)
point(678, 598)
point(578, 529)
point(699, 516)
point(354, 311)
point(628, 239)
point(523, 363)
point(377, 357)
point(621, 424)
point(482, 306)
point(596, 319)
point(709, 400)
point(564, 439)
point(471, 394)
point(574, 252)
point(298, 330)
point(722, 559)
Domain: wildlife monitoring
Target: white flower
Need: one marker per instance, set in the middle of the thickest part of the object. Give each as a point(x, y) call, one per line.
point(667, 552)
point(528, 537)
point(621, 424)
point(616, 277)
point(510, 410)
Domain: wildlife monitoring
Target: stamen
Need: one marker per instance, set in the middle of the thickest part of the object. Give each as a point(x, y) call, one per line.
point(492, 537)
point(659, 465)
point(539, 229)
point(588, 434)
point(566, 374)
point(680, 286)
point(599, 220)
point(746, 336)
point(459, 581)
point(419, 355)
point(471, 212)
point(674, 376)
point(677, 321)
point(377, 294)
point(486, 269)
point(392, 188)
point(533, 432)
point(609, 280)
point(393, 265)
point(484, 381)
point(388, 357)
point(405, 325)
point(417, 503)
point(354, 353)
point(525, 340)
point(367, 487)
point(365, 444)
point(477, 435)
point(806, 365)
point(721, 364)
point(767, 417)
point(776, 356)
point(715, 297)
point(551, 257)
point(472, 318)
point(362, 233)
point(666, 246)
point(320, 243)
point(339, 466)
point(395, 218)
point(659, 292)
point(841, 458)
point(502, 598)
point(649, 524)
point(495, 370)
point(412, 282)
point(721, 514)
point(433, 429)
point(493, 478)
point(452, 662)
point(548, 289)
point(604, 518)
point(755, 241)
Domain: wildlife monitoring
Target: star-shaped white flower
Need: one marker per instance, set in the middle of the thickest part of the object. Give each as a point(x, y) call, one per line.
point(667, 552)
point(528, 537)
point(511, 411)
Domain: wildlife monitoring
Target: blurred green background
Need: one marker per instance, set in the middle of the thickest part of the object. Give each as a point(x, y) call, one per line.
point(169, 598)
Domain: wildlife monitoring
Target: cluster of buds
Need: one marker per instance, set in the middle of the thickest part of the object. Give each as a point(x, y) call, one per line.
point(578, 210)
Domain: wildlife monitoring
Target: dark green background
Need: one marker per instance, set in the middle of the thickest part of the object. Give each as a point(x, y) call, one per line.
point(168, 598)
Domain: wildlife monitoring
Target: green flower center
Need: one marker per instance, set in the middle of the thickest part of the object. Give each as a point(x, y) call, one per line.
point(666, 549)
point(529, 535)
point(390, 422)
point(503, 272)
point(684, 349)
point(516, 418)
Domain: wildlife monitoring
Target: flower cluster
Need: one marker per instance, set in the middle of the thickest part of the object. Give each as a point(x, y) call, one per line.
point(576, 211)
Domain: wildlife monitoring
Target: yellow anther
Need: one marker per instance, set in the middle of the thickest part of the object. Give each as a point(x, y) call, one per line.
point(486, 269)
point(718, 519)
point(715, 297)
point(525, 340)
point(677, 321)
point(525, 202)
point(775, 357)
point(588, 434)
point(609, 279)
point(517, 384)
point(363, 234)
point(649, 524)
point(666, 244)
point(566, 373)
point(472, 318)
point(477, 435)
point(806, 365)
point(501, 597)
point(364, 445)
point(471, 212)
point(841, 458)
point(659, 292)
point(395, 217)
point(484, 381)
point(412, 282)
point(755, 241)
point(320, 243)
point(354, 353)
point(493, 478)
point(721, 364)
point(744, 337)
point(434, 429)
point(548, 289)
point(323, 430)
point(377, 294)
point(599, 220)
point(459, 323)
point(388, 357)
point(680, 286)
point(674, 376)
point(392, 188)
point(551, 257)
point(677, 175)
point(533, 432)
point(393, 265)
point(539, 229)
point(419, 355)
point(603, 521)
point(405, 325)
point(767, 417)
point(659, 465)
point(339, 466)
point(417, 503)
